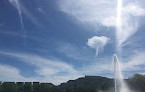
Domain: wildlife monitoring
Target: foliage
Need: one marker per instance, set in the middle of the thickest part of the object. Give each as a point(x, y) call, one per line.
point(84, 84)
point(137, 82)
point(9, 87)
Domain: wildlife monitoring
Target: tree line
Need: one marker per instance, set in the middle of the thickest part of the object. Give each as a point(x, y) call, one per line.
point(84, 84)
point(27, 87)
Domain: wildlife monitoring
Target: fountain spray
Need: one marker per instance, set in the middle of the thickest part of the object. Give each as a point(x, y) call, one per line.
point(120, 85)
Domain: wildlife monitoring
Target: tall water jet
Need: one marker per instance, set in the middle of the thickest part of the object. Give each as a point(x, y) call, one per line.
point(120, 85)
point(119, 23)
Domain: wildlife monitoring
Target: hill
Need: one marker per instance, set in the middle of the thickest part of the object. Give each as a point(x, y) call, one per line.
point(83, 84)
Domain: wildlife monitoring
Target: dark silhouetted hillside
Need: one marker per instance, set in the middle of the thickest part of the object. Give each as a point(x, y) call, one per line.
point(83, 84)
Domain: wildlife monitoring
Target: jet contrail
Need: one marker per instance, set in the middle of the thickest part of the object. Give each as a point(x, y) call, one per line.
point(16, 4)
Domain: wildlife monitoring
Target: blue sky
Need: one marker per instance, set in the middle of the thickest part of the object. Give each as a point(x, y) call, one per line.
point(60, 40)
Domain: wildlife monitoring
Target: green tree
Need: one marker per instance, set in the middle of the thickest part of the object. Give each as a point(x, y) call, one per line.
point(28, 87)
point(137, 82)
point(36, 87)
point(46, 87)
point(0, 86)
point(20, 86)
point(9, 87)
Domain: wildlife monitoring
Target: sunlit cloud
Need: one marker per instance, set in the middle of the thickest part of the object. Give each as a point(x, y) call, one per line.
point(98, 43)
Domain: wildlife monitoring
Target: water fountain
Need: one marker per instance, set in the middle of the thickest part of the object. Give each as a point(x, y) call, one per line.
point(120, 85)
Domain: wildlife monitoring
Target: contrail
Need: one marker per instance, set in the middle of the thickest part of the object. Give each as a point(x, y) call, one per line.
point(16, 4)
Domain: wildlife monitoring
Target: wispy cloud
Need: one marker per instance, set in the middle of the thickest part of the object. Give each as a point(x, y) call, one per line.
point(75, 52)
point(95, 68)
point(109, 21)
point(104, 12)
point(98, 43)
point(130, 15)
point(16, 4)
point(57, 71)
point(89, 11)
point(136, 63)
point(12, 33)
point(134, 9)
point(23, 10)
point(98, 11)
point(51, 70)
point(9, 73)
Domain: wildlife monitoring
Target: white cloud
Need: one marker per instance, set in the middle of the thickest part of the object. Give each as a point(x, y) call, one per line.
point(9, 73)
point(130, 16)
point(136, 63)
point(98, 43)
point(98, 11)
point(134, 9)
point(104, 12)
point(109, 21)
point(89, 11)
point(49, 69)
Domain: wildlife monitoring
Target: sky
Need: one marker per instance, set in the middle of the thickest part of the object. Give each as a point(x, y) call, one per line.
point(60, 40)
